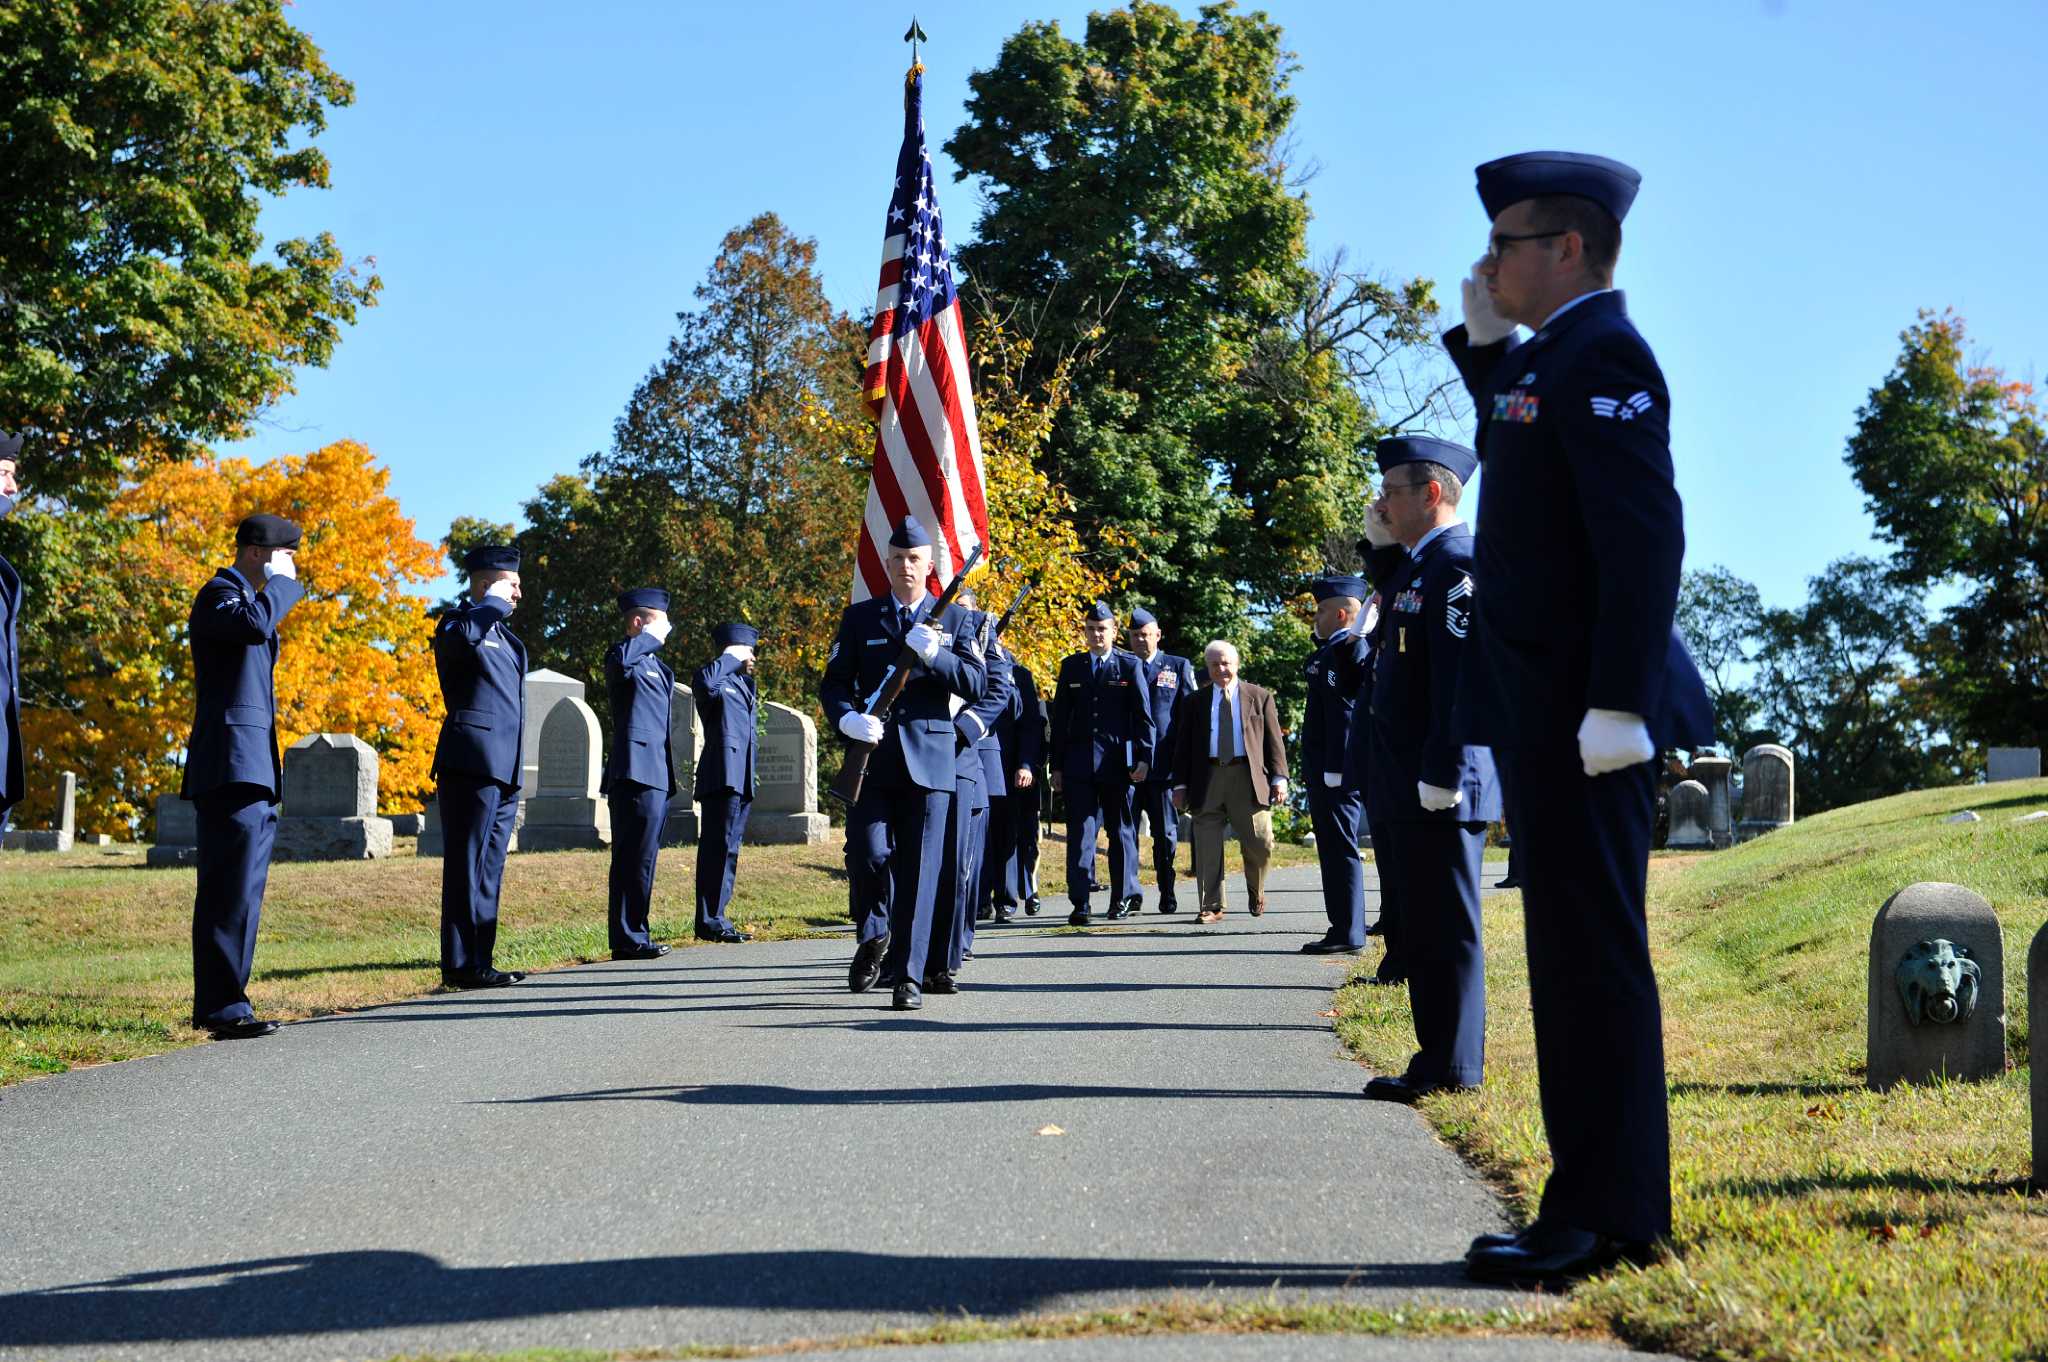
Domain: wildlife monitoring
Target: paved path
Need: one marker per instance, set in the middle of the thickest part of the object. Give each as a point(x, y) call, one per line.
point(724, 1146)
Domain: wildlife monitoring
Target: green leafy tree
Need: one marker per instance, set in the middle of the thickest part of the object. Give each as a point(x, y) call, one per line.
point(1138, 213)
point(1953, 463)
point(1721, 616)
point(136, 140)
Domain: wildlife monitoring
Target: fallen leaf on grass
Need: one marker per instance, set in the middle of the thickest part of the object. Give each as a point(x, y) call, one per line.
point(1327, 1012)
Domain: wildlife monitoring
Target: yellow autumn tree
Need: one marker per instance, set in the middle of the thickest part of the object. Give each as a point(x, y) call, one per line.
point(356, 653)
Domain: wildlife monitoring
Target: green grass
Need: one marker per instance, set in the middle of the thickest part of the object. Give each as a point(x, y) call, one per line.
point(95, 949)
point(1814, 1219)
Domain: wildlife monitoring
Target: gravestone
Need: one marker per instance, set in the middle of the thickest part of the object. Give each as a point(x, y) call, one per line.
point(431, 841)
point(786, 781)
point(1687, 805)
point(330, 802)
point(58, 838)
point(686, 745)
point(543, 689)
point(2037, 1050)
point(177, 833)
point(2012, 763)
point(406, 824)
point(1712, 772)
point(1766, 791)
point(565, 813)
point(1937, 988)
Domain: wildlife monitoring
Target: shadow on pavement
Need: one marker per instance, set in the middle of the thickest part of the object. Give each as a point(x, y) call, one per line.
point(365, 1290)
point(779, 1095)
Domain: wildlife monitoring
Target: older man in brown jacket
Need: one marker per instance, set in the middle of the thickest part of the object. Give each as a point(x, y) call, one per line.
point(1232, 763)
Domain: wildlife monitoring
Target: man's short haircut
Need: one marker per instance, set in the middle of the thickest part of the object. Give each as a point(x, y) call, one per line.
point(1595, 225)
point(1442, 476)
point(1222, 645)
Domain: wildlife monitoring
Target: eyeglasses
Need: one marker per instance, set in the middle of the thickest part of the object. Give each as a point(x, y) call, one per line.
point(1389, 487)
point(1494, 243)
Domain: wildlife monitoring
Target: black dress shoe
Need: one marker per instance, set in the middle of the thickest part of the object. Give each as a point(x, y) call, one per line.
point(1117, 911)
point(728, 936)
point(481, 978)
point(1374, 930)
point(984, 914)
point(1400, 1088)
point(245, 1028)
point(1329, 947)
point(1079, 918)
point(867, 964)
point(652, 951)
point(1031, 906)
point(1005, 915)
point(940, 983)
point(1167, 905)
point(1483, 1242)
point(1553, 1257)
point(908, 998)
point(1509, 883)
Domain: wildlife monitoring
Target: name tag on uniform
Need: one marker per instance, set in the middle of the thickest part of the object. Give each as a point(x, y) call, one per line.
point(873, 641)
point(492, 643)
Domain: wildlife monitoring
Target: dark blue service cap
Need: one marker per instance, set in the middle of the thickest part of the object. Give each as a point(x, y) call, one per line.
point(1328, 588)
point(735, 635)
point(491, 558)
point(1099, 611)
point(643, 598)
point(1396, 450)
point(10, 447)
point(1511, 179)
point(264, 531)
point(910, 533)
point(1141, 616)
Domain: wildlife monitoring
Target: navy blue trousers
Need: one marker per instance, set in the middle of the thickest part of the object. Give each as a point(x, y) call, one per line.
point(895, 847)
point(1437, 865)
point(1386, 853)
point(1094, 807)
point(1155, 801)
point(1026, 808)
point(637, 814)
point(237, 827)
point(721, 826)
point(959, 877)
point(476, 831)
point(1335, 815)
point(999, 857)
point(1592, 993)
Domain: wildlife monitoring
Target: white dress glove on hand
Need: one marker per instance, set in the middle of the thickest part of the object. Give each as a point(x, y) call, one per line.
point(1378, 533)
point(739, 652)
point(1436, 798)
point(923, 640)
point(1483, 326)
point(1613, 740)
point(502, 589)
point(861, 727)
point(1333, 779)
point(280, 565)
point(658, 630)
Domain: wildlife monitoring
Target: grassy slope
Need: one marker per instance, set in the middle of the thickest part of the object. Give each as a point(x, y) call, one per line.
point(1815, 1219)
point(95, 950)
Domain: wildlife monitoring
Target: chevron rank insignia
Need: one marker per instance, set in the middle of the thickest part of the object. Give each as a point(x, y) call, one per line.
point(1622, 408)
point(1458, 608)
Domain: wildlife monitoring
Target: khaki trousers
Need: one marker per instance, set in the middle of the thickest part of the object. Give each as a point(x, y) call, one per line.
point(1230, 797)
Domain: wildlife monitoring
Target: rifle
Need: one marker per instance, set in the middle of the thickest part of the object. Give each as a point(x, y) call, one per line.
point(846, 787)
point(1015, 601)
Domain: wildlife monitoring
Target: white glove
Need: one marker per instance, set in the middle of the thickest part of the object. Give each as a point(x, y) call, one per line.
point(1483, 326)
point(740, 652)
point(861, 727)
point(923, 640)
point(1372, 617)
point(280, 565)
point(1613, 740)
point(1280, 790)
point(658, 630)
point(1378, 533)
point(502, 589)
point(1436, 798)
point(1333, 778)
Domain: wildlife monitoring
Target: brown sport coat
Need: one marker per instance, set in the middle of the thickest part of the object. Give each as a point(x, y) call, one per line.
point(1265, 747)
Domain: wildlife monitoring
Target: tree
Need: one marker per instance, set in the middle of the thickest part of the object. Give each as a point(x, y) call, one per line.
point(1721, 616)
point(356, 653)
point(136, 137)
point(1953, 462)
point(1138, 213)
point(1836, 686)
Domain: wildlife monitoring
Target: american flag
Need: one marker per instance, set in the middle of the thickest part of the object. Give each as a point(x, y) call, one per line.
point(918, 385)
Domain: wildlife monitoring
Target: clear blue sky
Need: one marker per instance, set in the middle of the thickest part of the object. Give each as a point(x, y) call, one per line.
point(543, 184)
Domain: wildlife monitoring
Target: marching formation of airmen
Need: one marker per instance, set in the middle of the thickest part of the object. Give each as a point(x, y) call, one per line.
point(1432, 708)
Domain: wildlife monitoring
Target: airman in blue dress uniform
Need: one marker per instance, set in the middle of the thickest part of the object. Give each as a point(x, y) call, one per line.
point(977, 770)
point(639, 775)
point(999, 895)
point(232, 772)
point(1439, 793)
point(1101, 748)
point(727, 704)
point(1024, 759)
point(896, 830)
point(482, 667)
point(1167, 679)
point(13, 776)
point(1576, 680)
point(1336, 672)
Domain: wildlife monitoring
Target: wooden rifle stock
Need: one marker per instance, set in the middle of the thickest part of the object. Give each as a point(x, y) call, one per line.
point(846, 786)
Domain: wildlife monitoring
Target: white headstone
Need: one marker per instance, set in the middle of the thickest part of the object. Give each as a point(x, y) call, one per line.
point(1766, 791)
point(686, 741)
point(786, 780)
point(565, 812)
point(330, 802)
point(1712, 772)
point(1687, 805)
point(543, 689)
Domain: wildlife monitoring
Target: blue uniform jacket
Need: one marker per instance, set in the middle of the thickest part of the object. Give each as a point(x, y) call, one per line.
point(1582, 537)
point(727, 704)
point(234, 710)
point(13, 776)
point(980, 723)
point(1168, 680)
point(1416, 685)
point(638, 685)
point(1022, 732)
point(1381, 568)
point(1336, 672)
point(482, 665)
point(919, 741)
point(1100, 730)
